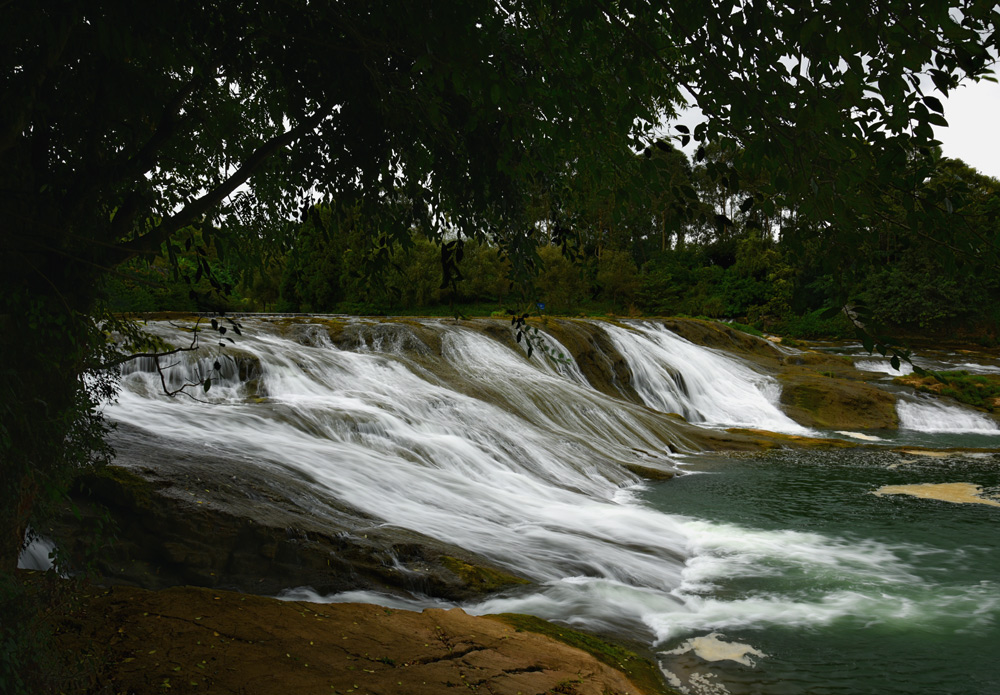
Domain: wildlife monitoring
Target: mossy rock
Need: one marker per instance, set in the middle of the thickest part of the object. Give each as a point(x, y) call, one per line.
point(479, 578)
point(640, 670)
point(722, 337)
point(774, 440)
point(981, 391)
point(648, 472)
point(824, 402)
point(599, 361)
point(117, 485)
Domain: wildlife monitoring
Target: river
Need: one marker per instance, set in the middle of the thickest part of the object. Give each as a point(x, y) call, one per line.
point(768, 573)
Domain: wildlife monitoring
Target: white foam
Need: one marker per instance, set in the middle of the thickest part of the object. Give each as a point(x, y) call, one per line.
point(712, 647)
point(859, 435)
point(883, 367)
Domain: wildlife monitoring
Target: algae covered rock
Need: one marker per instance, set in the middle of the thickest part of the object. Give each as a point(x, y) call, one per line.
point(825, 402)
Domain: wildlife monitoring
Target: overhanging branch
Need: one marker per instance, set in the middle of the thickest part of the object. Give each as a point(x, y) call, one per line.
point(150, 242)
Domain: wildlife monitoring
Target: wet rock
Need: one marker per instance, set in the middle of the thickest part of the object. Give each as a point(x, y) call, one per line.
point(600, 362)
point(718, 335)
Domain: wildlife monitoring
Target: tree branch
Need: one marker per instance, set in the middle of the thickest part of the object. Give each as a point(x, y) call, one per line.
point(150, 242)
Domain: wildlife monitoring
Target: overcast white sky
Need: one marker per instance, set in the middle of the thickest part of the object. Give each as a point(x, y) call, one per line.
point(973, 132)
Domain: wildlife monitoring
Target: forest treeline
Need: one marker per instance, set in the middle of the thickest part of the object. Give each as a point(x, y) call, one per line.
point(707, 252)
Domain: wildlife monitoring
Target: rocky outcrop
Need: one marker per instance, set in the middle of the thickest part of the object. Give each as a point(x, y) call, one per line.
point(719, 336)
point(599, 361)
point(817, 400)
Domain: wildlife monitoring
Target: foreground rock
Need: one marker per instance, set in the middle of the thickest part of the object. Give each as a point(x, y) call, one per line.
point(189, 640)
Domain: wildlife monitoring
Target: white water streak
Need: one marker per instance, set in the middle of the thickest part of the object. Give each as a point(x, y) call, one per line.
point(927, 415)
point(707, 387)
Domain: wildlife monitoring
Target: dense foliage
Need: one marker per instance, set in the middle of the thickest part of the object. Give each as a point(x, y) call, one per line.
point(645, 266)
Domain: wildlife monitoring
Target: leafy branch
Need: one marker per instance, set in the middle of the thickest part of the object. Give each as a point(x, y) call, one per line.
point(533, 338)
point(156, 355)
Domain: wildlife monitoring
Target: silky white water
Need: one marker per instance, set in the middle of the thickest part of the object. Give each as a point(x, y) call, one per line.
point(707, 387)
point(927, 415)
point(524, 463)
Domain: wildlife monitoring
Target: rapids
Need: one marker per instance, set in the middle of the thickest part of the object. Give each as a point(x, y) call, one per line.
point(452, 431)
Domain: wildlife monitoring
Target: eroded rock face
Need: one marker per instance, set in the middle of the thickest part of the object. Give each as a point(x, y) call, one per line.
point(191, 517)
point(599, 361)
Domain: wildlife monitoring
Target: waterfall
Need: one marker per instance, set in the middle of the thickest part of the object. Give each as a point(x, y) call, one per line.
point(483, 448)
point(707, 387)
point(926, 415)
point(883, 366)
point(451, 431)
point(519, 460)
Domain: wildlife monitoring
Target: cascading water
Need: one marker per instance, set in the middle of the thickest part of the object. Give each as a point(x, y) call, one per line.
point(524, 470)
point(672, 374)
point(526, 464)
point(925, 415)
point(883, 366)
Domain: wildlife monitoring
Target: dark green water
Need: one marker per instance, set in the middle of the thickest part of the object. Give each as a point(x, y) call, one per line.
point(843, 590)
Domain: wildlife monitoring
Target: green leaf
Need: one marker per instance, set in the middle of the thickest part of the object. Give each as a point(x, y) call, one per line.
point(934, 103)
point(207, 385)
point(937, 119)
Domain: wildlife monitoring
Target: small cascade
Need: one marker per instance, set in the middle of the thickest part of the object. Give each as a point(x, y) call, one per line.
point(559, 360)
point(883, 367)
point(926, 415)
point(37, 555)
point(707, 387)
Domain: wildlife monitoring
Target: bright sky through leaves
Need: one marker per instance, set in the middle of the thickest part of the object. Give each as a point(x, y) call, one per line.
point(971, 135)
